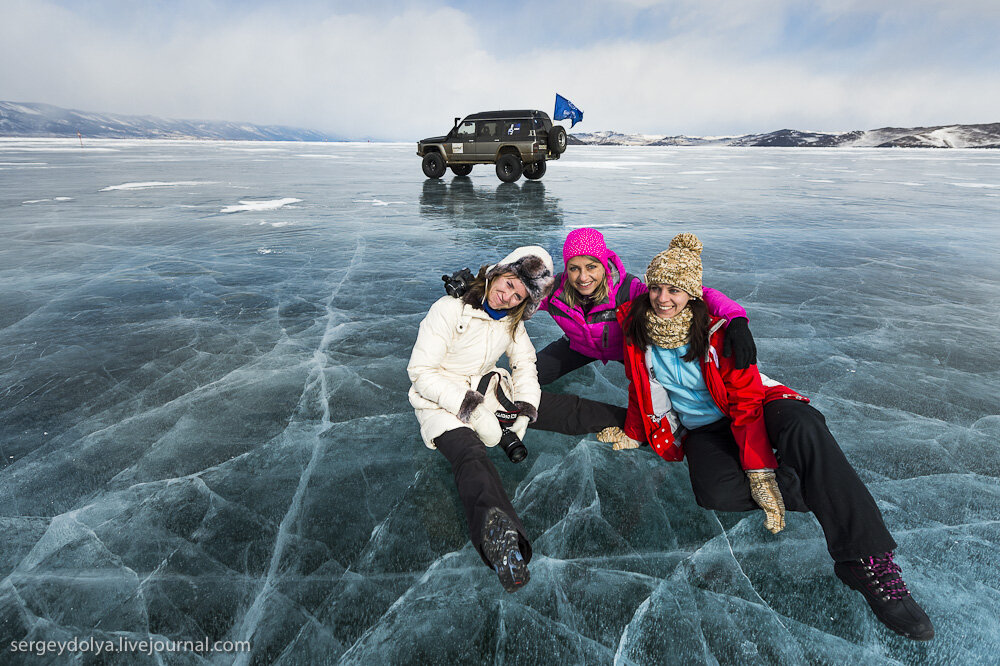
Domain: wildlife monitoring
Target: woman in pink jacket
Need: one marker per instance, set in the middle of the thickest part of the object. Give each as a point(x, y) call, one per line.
point(583, 304)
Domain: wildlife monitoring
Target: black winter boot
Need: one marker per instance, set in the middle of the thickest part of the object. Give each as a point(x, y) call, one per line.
point(880, 580)
point(500, 545)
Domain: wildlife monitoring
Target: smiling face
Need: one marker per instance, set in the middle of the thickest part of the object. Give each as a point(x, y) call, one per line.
point(506, 292)
point(667, 300)
point(585, 273)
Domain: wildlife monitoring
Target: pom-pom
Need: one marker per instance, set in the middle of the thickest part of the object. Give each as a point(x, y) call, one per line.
point(688, 242)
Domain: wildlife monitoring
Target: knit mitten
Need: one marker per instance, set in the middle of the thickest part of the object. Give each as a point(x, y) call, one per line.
point(764, 490)
point(617, 438)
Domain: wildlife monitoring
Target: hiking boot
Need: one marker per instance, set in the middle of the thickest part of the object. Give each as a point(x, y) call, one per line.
point(500, 545)
point(880, 580)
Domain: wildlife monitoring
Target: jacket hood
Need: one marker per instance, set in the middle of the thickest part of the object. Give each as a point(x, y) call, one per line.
point(533, 266)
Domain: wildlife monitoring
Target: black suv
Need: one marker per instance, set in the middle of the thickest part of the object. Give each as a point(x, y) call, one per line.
point(516, 141)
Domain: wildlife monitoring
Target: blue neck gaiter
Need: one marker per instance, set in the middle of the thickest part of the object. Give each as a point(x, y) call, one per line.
point(495, 314)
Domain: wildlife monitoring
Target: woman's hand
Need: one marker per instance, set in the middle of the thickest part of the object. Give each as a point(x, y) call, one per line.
point(617, 437)
point(486, 425)
point(739, 344)
point(764, 490)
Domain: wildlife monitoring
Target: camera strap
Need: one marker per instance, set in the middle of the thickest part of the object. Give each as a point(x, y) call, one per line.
point(509, 414)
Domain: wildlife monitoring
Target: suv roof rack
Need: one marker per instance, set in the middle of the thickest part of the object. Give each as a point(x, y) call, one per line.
point(500, 115)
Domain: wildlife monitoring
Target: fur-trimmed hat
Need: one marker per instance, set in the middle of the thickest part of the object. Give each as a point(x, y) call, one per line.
point(679, 265)
point(533, 267)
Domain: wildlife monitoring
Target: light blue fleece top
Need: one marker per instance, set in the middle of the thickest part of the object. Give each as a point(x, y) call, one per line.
point(685, 385)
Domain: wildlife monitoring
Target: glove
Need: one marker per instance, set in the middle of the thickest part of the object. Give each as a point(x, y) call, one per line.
point(486, 425)
point(617, 437)
point(764, 490)
point(520, 426)
point(739, 344)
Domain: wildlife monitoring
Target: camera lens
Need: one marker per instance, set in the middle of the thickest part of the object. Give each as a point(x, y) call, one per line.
point(513, 446)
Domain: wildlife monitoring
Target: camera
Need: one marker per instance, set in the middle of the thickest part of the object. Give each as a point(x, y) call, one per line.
point(513, 446)
point(458, 282)
point(509, 441)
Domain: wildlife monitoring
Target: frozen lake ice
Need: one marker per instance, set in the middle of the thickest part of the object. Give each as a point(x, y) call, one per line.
point(204, 428)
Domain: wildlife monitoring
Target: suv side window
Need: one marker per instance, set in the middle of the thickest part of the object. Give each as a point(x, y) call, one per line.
point(466, 130)
point(486, 130)
point(516, 129)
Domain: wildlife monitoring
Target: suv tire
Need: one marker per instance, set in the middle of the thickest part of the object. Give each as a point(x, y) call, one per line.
point(433, 165)
point(557, 139)
point(534, 170)
point(461, 169)
point(509, 167)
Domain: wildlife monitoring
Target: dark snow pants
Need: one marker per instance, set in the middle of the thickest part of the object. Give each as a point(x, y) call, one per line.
point(813, 475)
point(478, 484)
point(557, 359)
point(476, 478)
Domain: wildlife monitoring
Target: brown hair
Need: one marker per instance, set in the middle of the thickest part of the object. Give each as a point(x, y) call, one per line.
point(572, 296)
point(477, 294)
point(635, 331)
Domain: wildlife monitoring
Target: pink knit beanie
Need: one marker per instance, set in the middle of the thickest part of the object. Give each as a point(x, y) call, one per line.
point(589, 242)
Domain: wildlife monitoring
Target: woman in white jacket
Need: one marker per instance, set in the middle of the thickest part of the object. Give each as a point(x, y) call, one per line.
point(455, 384)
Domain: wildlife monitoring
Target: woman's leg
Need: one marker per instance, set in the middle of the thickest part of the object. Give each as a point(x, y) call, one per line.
point(573, 415)
point(856, 535)
point(479, 486)
point(557, 359)
point(830, 487)
point(717, 477)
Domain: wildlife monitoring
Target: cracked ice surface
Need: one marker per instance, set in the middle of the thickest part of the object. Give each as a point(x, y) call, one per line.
point(204, 429)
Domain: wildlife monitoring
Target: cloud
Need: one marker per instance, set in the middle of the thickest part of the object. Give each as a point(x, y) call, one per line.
point(634, 65)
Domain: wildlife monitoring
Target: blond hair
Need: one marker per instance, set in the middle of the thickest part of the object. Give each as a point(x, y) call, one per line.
point(572, 296)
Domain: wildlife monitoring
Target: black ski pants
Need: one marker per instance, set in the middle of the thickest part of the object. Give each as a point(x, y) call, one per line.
point(557, 359)
point(476, 479)
point(813, 475)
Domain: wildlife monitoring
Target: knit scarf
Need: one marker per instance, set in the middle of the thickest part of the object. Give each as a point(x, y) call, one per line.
point(669, 333)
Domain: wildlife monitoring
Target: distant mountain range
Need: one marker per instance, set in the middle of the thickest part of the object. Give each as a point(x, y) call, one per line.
point(45, 120)
point(944, 136)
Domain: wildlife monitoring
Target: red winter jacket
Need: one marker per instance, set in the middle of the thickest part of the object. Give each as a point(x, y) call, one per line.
point(739, 394)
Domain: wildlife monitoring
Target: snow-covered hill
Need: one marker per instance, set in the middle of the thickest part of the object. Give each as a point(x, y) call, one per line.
point(945, 136)
point(45, 120)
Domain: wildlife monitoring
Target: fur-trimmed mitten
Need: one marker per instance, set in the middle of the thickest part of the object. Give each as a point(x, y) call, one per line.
point(480, 418)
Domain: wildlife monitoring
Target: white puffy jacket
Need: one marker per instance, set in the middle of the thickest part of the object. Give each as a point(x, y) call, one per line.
point(457, 344)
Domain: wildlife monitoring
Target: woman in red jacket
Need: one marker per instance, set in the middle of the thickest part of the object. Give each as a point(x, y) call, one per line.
point(750, 442)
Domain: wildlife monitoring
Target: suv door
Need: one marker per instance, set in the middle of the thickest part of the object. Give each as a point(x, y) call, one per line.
point(462, 143)
point(487, 139)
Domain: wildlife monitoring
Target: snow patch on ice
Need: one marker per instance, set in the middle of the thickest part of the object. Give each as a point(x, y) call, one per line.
point(328, 157)
point(378, 202)
point(272, 204)
point(276, 224)
point(154, 183)
point(699, 173)
point(34, 201)
point(983, 185)
point(818, 180)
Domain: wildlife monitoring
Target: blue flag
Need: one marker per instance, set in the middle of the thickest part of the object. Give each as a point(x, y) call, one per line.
point(566, 109)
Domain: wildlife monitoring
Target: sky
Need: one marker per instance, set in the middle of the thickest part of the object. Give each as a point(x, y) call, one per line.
point(403, 70)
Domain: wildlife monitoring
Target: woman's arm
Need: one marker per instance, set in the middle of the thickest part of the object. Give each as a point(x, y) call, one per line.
point(745, 394)
point(429, 351)
point(720, 305)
